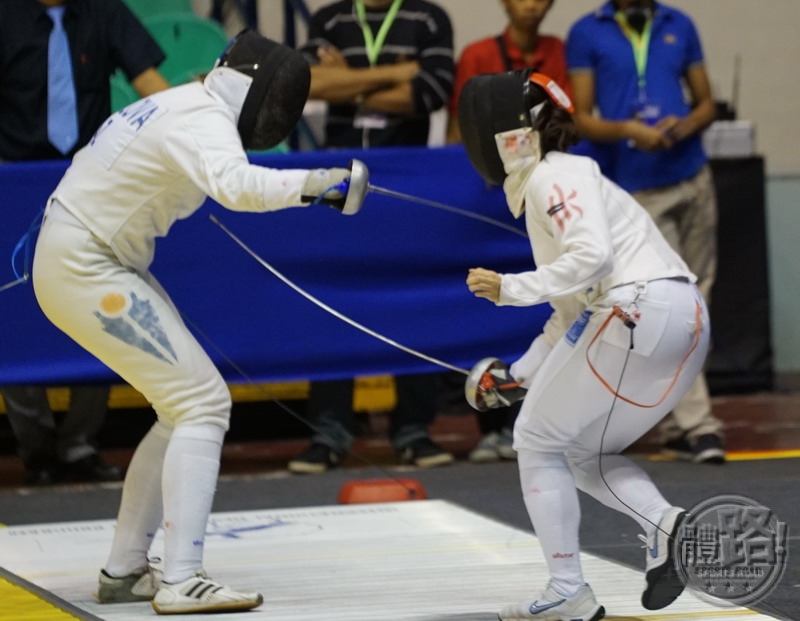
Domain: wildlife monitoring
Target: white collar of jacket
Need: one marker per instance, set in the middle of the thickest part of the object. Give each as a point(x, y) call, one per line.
point(520, 152)
point(230, 86)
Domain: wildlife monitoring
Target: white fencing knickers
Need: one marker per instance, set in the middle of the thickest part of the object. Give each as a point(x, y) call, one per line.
point(570, 395)
point(127, 321)
point(570, 414)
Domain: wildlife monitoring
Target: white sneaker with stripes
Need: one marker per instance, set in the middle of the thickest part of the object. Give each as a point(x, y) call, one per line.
point(202, 594)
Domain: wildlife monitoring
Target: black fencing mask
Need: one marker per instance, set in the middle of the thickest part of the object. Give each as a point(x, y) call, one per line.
point(278, 94)
point(499, 102)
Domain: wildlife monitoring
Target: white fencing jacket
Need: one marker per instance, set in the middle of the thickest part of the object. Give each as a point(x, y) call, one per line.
point(587, 235)
point(157, 160)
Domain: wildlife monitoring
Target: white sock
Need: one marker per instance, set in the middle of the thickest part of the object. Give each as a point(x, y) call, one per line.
point(191, 467)
point(140, 509)
point(551, 498)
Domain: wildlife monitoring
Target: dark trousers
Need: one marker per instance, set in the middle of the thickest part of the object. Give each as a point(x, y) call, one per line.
point(330, 409)
point(39, 439)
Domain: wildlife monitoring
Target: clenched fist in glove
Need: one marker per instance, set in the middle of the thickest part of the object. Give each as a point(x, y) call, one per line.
point(340, 188)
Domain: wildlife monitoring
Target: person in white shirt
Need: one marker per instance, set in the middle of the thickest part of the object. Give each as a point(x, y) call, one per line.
point(150, 164)
point(628, 335)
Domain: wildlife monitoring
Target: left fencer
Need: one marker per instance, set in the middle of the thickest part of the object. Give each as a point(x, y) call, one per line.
point(149, 165)
point(628, 335)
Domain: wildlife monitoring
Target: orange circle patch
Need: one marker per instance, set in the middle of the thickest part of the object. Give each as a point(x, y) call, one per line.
point(112, 303)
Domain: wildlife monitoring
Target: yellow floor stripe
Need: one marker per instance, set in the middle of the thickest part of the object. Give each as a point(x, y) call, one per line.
point(772, 454)
point(19, 604)
point(742, 455)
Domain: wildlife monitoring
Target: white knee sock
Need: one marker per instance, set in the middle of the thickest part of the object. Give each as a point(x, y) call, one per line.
point(140, 509)
point(191, 467)
point(634, 494)
point(550, 496)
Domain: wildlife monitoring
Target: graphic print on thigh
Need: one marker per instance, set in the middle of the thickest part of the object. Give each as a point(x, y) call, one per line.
point(135, 322)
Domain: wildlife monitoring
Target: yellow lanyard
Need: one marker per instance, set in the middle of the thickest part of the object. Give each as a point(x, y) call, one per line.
point(640, 44)
point(374, 44)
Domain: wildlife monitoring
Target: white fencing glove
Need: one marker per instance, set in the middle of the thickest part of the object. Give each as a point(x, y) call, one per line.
point(341, 188)
point(526, 367)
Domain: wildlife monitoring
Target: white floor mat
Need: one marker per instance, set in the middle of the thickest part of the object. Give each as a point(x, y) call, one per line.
point(425, 560)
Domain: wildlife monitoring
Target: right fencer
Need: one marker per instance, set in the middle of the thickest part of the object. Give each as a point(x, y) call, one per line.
point(628, 335)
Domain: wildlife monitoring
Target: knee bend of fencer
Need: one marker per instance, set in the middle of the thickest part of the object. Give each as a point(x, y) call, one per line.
point(198, 418)
point(530, 459)
point(585, 467)
point(195, 430)
point(211, 408)
point(540, 437)
point(162, 429)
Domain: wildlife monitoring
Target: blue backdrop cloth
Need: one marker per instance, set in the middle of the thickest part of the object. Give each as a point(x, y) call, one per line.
point(396, 267)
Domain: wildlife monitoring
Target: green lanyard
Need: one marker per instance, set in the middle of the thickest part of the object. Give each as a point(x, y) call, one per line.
point(373, 44)
point(640, 44)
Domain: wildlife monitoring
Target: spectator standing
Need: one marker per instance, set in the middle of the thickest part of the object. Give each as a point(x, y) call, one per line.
point(519, 46)
point(633, 60)
point(383, 66)
point(102, 36)
point(56, 58)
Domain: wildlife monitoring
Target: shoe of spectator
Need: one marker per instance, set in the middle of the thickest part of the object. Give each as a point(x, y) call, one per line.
point(90, 469)
point(552, 606)
point(494, 446)
point(201, 594)
point(707, 449)
point(139, 586)
point(41, 477)
point(425, 453)
point(678, 448)
point(41, 471)
point(316, 459)
point(664, 583)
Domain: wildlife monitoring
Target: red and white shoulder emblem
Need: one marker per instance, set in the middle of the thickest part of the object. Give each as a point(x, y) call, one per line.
point(562, 206)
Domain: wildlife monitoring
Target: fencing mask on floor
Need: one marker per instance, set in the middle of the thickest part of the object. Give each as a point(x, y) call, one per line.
point(494, 103)
point(277, 94)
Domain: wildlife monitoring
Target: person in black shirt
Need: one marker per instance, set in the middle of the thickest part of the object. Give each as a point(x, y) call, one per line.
point(383, 66)
point(102, 35)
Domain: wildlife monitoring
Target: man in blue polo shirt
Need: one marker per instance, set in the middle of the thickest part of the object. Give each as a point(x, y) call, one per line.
point(634, 60)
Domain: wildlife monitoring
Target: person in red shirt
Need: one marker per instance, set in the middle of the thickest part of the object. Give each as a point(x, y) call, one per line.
point(519, 46)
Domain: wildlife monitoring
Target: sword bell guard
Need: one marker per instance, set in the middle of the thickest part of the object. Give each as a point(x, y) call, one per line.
point(490, 385)
point(358, 186)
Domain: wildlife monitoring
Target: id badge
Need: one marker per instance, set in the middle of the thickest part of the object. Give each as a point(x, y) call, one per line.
point(370, 120)
point(648, 112)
